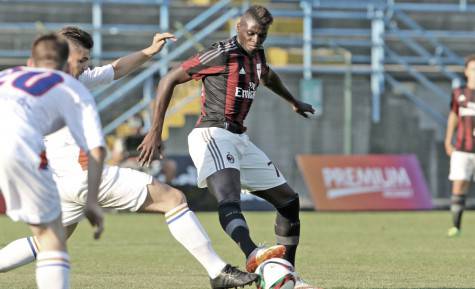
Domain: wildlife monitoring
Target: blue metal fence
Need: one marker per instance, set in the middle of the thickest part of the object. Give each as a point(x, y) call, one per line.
point(372, 42)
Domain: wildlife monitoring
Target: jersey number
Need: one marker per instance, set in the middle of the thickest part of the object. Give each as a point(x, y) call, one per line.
point(37, 83)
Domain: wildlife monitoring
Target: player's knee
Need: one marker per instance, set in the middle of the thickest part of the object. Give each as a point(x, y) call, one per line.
point(287, 219)
point(162, 198)
point(287, 223)
point(176, 197)
point(288, 205)
point(171, 198)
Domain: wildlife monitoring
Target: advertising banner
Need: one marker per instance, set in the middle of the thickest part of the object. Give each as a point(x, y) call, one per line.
point(365, 182)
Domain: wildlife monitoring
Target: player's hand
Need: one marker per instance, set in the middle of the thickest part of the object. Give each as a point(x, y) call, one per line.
point(94, 214)
point(150, 149)
point(158, 42)
point(303, 108)
point(449, 148)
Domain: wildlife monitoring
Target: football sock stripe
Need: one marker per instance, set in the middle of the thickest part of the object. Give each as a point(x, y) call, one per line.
point(176, 210)
point(32, 246)
point(177, 215)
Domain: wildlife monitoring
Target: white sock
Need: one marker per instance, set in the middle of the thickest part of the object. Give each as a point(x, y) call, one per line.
point(52, 270)
point(18, 253)
point(187, 229)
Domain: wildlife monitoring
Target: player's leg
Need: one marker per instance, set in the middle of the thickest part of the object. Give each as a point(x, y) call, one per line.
point(225, 185)
point(136, 191)
point(183, 225)
point(215, 154)
point(18, 253)
point(25, 250)
point(52, 265)
point(262, 178)
point(31, 196)
point(461, 167)
point(457, 205)
point(287, 221)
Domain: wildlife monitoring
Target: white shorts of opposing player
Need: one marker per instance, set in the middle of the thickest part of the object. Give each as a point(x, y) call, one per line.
point(213, 149)
point(462, 166)
point(120, 189)
point(30, 193)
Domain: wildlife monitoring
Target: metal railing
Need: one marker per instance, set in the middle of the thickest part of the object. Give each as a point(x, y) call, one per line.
point(377, 40)
point(148, 73)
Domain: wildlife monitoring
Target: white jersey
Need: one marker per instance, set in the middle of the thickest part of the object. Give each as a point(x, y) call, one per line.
point(35, 102)
point(65, 157)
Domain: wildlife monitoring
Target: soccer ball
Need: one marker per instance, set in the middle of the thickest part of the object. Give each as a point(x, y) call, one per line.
point(276, 273)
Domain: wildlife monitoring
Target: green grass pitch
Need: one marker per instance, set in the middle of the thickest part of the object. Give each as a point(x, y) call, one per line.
point(337, 250)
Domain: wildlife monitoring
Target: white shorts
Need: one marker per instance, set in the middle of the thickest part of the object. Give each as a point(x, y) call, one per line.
point(462, 166)
point(213, 149)
point(120, 188)
point(30, 193)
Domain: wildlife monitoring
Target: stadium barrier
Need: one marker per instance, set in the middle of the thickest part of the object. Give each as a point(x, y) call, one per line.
point(365, 182)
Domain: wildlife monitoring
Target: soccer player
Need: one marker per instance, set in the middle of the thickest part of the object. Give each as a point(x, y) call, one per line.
point(223, 154)
point(33, 103)
point(121, 188)
point(462, 155)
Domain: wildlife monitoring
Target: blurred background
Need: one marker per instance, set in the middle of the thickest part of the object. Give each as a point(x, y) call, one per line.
point(379, 73)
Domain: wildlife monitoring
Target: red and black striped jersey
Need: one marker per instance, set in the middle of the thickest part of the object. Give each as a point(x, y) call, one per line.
point(463, 105)
point(230, 78)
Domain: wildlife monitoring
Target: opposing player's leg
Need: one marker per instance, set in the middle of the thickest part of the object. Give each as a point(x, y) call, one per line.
point(126, 189)
point(188, 231)
point(52, 265)
point(183, 224)
point(24, 251)
point(31, 196)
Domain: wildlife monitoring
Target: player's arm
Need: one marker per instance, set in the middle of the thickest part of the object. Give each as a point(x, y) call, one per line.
point(95, 166)
point(452, 122)
point(81, 117)
point(150, 148)
point(128, 63)
point(272, 81)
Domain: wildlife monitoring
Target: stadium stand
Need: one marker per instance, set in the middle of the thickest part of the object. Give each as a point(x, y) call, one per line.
point(403, 58)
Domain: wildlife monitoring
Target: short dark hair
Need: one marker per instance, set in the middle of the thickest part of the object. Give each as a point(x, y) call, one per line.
point(469, 59)
point(260, 14)
point(78, 36)
point(50, 50)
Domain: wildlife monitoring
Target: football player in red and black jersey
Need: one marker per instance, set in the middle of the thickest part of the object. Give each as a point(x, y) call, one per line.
point(226, 160)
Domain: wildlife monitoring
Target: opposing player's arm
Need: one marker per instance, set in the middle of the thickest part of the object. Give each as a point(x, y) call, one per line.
point(150, 148)
point(271, 80)
point(92, 210)
point(129, 63)
point(452, 122)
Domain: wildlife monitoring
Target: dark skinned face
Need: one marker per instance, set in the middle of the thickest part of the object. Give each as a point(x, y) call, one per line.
point(250, 34)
